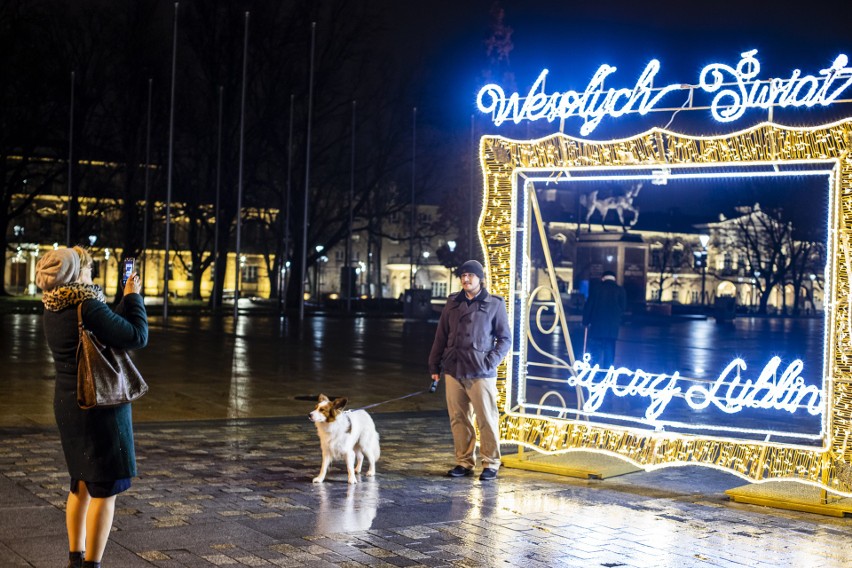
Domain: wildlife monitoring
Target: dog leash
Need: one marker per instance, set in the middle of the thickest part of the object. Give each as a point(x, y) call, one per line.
point(432, 389)
point(390, 400)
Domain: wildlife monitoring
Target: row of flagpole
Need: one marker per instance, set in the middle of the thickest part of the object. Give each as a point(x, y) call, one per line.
point(169, 171)
point(287, 239)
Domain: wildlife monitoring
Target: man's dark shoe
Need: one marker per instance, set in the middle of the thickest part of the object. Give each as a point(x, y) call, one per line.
point(488, 474)
point(460, 471)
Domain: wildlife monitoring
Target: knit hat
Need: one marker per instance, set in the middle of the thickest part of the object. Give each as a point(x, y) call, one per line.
point(471, 267)
point(57, 267)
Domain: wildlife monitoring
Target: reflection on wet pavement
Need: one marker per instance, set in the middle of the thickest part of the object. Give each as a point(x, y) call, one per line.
point(349, 512)
point(226, 458)
point(240, 493)
point(198, 368)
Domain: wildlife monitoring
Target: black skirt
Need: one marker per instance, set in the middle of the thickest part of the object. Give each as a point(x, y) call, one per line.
point(102, 489)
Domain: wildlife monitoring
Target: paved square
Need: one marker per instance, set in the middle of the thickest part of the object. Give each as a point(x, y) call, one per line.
point(239, 493)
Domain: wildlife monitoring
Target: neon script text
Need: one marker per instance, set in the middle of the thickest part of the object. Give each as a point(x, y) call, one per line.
point(729, 392)
point(736, 90)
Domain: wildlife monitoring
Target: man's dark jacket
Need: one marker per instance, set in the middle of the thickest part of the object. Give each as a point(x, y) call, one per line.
point(472, 338)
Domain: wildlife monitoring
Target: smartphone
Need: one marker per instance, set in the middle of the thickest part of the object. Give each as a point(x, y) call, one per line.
point(129, 269)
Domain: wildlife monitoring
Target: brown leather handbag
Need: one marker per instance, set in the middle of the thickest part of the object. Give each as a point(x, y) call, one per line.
point(105, 376)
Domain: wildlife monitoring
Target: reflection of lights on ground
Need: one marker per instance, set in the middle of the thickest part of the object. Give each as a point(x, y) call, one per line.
point(350, 513)
point(239, 391)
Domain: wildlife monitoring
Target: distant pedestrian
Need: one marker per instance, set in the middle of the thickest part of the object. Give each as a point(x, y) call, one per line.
point(97, 443)
point(472, 338)
point(602, 318)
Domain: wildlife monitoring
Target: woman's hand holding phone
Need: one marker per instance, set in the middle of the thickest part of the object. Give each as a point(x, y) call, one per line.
point(133, 285)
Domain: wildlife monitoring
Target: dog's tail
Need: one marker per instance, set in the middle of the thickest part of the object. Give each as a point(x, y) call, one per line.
point(373, 444)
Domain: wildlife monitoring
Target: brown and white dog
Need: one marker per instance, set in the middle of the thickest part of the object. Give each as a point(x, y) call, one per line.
point(348, 435)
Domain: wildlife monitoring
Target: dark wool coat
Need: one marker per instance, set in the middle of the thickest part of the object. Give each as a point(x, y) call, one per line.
point(602, 312)
point(471, 340)
point(98, 443)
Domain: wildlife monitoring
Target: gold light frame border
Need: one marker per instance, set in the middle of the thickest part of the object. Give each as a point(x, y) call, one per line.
point(767, 143)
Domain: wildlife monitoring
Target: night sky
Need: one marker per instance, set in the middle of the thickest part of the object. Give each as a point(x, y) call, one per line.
point(444, 41)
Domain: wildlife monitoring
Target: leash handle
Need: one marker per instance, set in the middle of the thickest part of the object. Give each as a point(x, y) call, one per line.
point(434, 386)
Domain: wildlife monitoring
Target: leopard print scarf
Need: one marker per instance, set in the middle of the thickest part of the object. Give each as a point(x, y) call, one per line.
point(71, 294)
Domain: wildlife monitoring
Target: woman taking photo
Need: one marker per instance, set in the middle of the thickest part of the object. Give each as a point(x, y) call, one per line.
point(97, 443)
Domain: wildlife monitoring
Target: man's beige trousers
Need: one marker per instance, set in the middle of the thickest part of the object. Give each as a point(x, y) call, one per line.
point(466, 397)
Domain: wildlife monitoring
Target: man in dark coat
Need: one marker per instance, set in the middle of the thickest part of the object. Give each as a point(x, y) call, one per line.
point(472, 338)
point(602, 318)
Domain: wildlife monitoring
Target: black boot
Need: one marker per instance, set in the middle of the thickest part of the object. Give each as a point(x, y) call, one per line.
point(91, 564)
point(75, 559)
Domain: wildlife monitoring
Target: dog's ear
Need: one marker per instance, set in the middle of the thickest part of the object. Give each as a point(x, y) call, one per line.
point(322, 398)
point(339, 402)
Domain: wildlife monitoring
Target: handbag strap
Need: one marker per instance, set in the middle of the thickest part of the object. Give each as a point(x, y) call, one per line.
point(80, 325)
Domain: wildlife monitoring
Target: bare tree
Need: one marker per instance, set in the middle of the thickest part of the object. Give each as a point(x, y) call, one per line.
point(761, 238)
point(670, 256)
point(28, 164)
point(139, 35)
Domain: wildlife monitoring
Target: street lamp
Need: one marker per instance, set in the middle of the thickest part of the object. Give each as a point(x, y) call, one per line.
point(19, 233)
point(813, 295)
point(704, 239)
point(106, 267)
point(323, 259)
point(319, 249)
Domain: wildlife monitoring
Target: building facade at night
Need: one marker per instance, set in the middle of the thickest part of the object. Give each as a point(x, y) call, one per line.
point(692, 268)
point(37, 232)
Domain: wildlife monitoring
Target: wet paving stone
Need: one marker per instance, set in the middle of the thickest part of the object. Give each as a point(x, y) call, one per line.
point(239, 493)
point(226, 457)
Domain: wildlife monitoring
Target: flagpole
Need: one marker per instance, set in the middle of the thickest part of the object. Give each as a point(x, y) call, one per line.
point(286, 254)
point(351, 212)
point(307, 176)
point(238, 269)
point(413, 204)
point(217, 277)
point(70, 165)
point(145, 213)
point(167, 270)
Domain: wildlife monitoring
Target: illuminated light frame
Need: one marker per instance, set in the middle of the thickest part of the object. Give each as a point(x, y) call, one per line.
point(827, 168)
point(829, 467)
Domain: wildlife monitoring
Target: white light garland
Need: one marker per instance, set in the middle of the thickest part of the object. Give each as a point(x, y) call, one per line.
point(595, 102)
point(588, 104)
point(797, 91)
point(729, 394)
